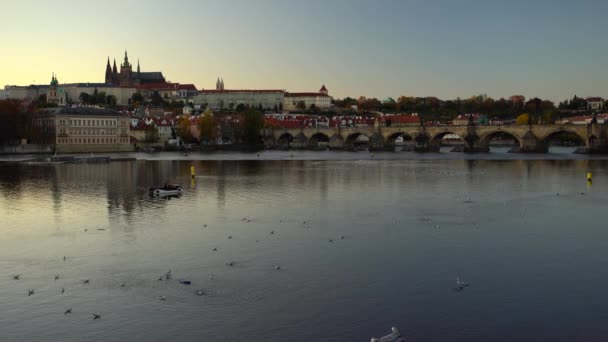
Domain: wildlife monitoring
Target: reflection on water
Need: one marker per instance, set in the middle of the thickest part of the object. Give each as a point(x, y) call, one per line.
point(527, 234)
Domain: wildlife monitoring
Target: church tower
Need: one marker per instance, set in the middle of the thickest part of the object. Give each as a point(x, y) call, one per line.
point(108, 73)
point(222, 84)
point(138, 75)
point(115, 79)
point(126, 73)
point(218, 85)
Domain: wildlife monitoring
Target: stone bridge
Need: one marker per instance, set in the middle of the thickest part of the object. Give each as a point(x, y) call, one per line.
point(530, 138)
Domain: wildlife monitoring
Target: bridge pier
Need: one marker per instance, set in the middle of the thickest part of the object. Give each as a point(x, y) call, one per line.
point(531, 144)
point(597, 143)
point(336, 142)
point(300, 142)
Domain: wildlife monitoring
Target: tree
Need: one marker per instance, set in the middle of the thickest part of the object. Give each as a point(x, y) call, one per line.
point(253, 122)
point(522, 119)
point(111, 100)
point(156, 99)
point(151, 135)
point(301, 105)
point(183, 128)
point(207, 127)
point(137, 98)
point(84, 97)
point(240, 107)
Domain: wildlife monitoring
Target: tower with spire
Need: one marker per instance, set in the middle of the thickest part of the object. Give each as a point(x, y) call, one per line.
point(115, 77)
point(126, 73)
point(109, 79)
point(129, 78)
point(55, 93)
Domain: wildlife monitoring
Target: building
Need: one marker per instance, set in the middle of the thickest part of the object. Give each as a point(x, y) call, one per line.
point(221, 98)
point(399, 120)
point(86, 129)
point(56, 94)
point(463, 119)
point(595, 103)
point(74, 90)
point(127, 78)
point(30, 92)
point(320, 100)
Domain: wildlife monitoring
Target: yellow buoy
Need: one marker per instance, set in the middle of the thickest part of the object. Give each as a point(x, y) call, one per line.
point(192, 171)
point(589, 176)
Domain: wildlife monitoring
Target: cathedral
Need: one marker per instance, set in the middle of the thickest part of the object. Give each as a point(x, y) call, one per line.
point(127, 78)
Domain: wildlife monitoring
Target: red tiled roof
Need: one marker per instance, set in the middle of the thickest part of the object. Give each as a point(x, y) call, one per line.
point(401, 118)
point(187, 87)
point(159, 86)
point(305, 94)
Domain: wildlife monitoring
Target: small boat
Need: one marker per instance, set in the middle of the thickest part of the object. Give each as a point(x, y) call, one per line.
point(166, 190)
point(395, 336)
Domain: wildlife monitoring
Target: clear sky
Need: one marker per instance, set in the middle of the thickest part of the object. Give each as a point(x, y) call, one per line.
point(444, 48)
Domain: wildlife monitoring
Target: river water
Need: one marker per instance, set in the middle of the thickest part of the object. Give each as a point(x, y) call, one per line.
point(364, 243)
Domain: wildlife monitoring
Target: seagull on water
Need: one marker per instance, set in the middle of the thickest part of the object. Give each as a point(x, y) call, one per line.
point(96, 316)
point(30, 292)
point(16, 276)
point(277, 267)
point(272, 232)
point(68, 311)
point(215, 249)
point(200, 293)
point(62, 290)
point(162, 297)
point(56, 276)
point(460, 285)
point(86, 281)
point(230, 263)
point(331, 240)
point(123, 284)
point(229, 237)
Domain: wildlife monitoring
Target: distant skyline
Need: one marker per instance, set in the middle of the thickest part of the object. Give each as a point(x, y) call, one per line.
point(356, 48)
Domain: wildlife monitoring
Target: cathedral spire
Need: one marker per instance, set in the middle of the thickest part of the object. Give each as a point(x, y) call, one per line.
point(126, 62)
point(138, 65)
point(108, 72)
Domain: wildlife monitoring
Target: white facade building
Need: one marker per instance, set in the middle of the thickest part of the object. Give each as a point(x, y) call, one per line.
point(86, 129)
point(595, 103)
point(230, 99)
point(320, 100)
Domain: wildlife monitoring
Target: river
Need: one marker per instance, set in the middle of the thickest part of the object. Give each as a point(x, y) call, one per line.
point(364, 242)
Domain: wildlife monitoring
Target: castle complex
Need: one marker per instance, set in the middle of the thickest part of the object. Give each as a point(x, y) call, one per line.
point(126, 78)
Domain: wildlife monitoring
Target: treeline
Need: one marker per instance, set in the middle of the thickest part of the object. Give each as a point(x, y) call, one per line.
point(17, 122)
point(432, 108)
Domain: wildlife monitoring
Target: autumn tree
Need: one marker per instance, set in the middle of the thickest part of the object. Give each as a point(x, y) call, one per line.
point(207, 127)
point(253, 122)
point(183, 128)
point(522, 119)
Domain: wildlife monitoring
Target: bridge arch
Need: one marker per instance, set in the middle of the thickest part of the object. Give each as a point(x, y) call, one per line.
point(285, 140)
point(318, 140)
point(570, 134)
point(487, 137)
point(357, 139)
point(436, 139)
point(391, 139)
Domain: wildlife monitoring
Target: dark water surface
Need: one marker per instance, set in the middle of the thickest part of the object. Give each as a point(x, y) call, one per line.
point(529, 235)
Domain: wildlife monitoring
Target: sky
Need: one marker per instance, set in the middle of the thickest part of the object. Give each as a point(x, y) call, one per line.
point(382, 48)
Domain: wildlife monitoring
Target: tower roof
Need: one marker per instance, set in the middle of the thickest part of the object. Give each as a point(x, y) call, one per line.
point(323, 88)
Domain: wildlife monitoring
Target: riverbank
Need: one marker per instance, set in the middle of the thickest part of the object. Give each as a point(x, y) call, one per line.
point(498, 153)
